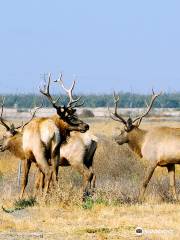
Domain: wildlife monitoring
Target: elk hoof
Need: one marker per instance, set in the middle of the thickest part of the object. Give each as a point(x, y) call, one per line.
point(86, 195)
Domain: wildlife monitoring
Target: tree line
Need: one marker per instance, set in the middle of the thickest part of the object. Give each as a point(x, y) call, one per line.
point(127, 100)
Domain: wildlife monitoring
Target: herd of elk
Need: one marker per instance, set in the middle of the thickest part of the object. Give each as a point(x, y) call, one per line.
point(63, 140)
point(160, 146)
point(41, 138)
point(77, 152)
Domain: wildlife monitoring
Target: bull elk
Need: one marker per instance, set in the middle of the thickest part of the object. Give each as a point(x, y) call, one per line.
point(31, 149)
point(42, 129)
point(160, 146)
point(78, 152)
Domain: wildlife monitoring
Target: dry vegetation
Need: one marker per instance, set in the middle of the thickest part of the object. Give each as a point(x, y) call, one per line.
point(112, 212)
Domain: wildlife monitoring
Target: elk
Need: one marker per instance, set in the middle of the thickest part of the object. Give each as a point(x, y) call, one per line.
point(44, 140)
point(66, 120)
point(78, 152)
point(160, 146)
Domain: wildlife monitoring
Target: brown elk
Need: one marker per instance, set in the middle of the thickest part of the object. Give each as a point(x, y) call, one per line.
point(78, 152)
point(39, 137)
point(40, 129)
point(66, 119)
point(160, 146)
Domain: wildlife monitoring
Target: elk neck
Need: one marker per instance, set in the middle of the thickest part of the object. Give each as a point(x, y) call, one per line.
point(136, 139)
point(62, 126)
point(15, 146)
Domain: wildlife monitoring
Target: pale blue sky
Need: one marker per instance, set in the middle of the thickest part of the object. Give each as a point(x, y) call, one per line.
point(127, 45)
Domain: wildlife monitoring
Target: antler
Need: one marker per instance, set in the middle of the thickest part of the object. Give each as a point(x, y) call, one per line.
point(33, 114)
point(69, 93)
point(46, 92)
point(115, 116)
point(11, 127)
point(154, 96)
point(2, 121)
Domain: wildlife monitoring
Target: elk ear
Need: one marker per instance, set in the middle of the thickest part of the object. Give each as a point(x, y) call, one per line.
point(129, 125)
point(129, 121)
point(12, 129)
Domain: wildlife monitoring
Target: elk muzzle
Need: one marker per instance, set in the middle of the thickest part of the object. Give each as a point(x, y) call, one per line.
point(80, 128)
point(84, 127)
point(121, 139)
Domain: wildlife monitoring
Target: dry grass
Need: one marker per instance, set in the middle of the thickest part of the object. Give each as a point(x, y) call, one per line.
point(112, 213)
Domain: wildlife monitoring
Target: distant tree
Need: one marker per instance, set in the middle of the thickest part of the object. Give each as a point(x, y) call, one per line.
point(127, 100)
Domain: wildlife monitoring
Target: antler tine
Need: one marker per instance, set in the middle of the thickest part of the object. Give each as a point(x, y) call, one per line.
point(46, 92)
point(153, 98)
point(115, 116)
point(1, 118)
point(33, 114)
point(69, 92)
point(2, 106)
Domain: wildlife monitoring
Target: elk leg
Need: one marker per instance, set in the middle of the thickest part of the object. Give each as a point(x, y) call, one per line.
point(87, 175)
point(89, 162)
point(150, 172)
point(171, 171)
point(26, 168)
point(45, 169)
point(93, 179)
point(41, 185)
point(55, 157)
point(39, 182)
point(48, 176)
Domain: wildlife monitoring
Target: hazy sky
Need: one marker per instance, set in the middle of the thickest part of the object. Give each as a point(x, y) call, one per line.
point(128, 45)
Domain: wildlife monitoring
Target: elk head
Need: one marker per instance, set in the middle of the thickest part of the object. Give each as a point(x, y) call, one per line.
point(11, 129)
point(130, 124)
point(66, 112)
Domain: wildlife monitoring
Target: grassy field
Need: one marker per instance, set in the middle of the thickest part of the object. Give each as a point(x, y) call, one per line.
point(112, 212)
